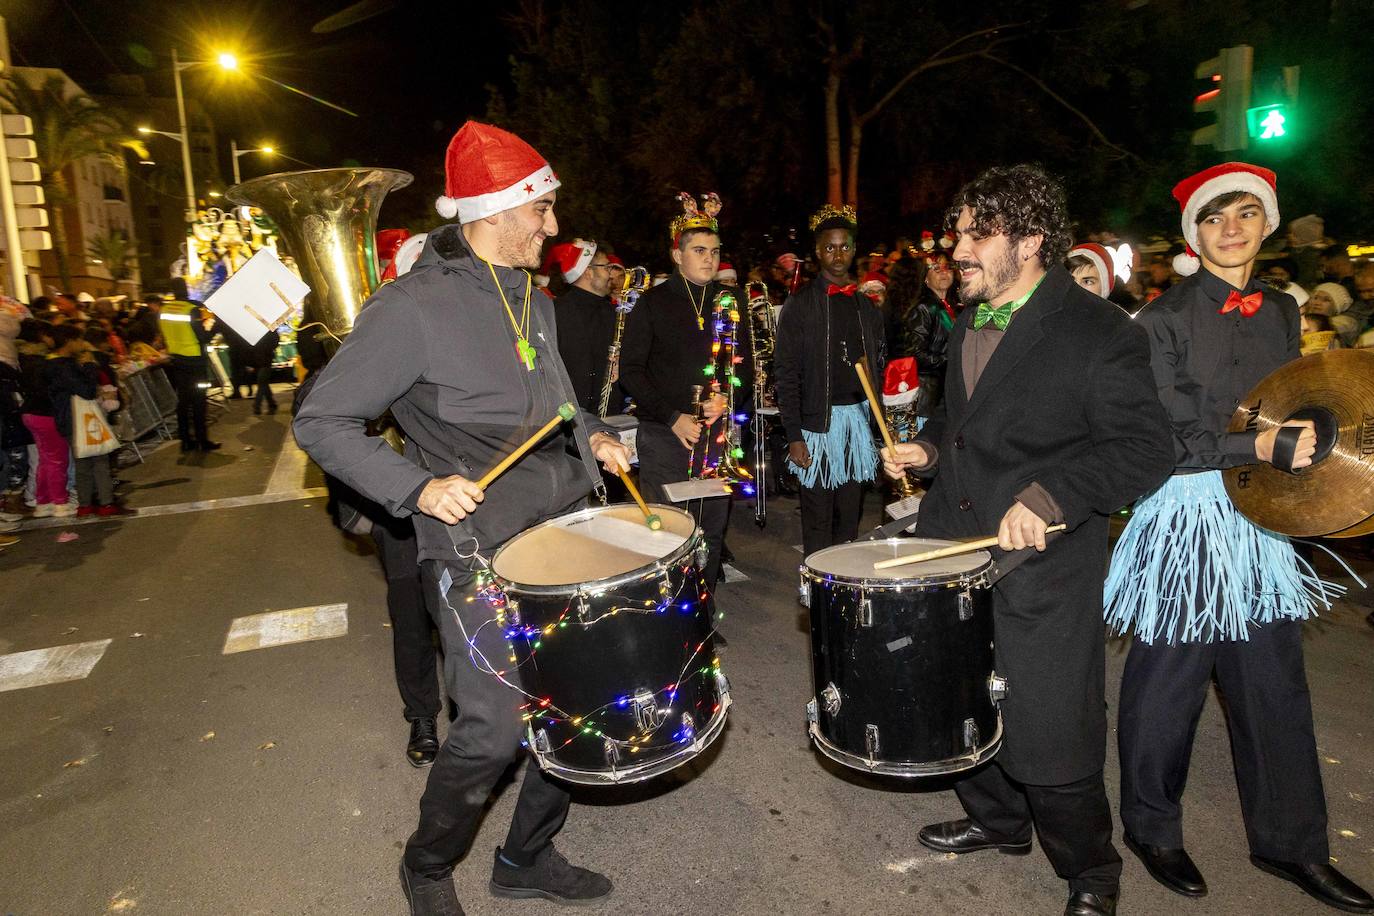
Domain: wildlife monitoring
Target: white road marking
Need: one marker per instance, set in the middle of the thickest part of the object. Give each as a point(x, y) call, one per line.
point(200, 505)
point(280, 628)
point(288, 474)
point(38, 667)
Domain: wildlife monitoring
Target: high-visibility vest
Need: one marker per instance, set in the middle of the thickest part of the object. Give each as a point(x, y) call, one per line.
point(177, 332)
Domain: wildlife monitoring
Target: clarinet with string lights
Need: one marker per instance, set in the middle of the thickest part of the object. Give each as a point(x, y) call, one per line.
point(724, 381)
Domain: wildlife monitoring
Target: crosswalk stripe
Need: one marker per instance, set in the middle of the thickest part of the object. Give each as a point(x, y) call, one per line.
point(280, 628)
point(200, 505)
point(54, 665)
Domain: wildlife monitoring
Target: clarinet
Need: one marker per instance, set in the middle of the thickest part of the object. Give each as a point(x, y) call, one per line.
point(636, 282)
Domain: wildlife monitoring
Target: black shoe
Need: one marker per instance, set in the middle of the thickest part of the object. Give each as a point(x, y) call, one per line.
point(428, 897)
point(235, 396)
point(1321, 881)
point(210, 446)
point(964, 835)
point(424, 743)
point(257, 411)
point(1081, 904)
point(188, 445)
point(271, 408)
point(1172, 868)
point(550, 877)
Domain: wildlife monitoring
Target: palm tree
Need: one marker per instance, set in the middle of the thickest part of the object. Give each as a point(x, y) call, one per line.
point(115, 253)
point(66, 128)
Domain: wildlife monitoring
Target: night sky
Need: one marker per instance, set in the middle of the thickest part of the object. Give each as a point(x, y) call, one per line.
point(412, 71)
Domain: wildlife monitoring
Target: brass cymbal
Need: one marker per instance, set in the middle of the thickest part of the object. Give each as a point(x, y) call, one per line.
point(1336, 493)
point(1355, 531)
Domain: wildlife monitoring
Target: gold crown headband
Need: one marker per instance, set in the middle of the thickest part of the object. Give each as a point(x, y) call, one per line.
point(692, 218)
point(827, 212)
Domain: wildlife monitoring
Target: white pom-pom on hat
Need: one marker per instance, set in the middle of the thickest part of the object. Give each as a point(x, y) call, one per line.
point(1186, 263)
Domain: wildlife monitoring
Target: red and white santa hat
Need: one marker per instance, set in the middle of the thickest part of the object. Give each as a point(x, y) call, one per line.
point(488, 170)
point(570, 258)
point(1101, 259)
point(727, 271)
point(1196, 192)
point(408, 254)
point(900, 382)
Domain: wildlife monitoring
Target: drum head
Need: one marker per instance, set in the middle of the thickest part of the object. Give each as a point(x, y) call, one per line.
point(853, 562)
point(605, 542)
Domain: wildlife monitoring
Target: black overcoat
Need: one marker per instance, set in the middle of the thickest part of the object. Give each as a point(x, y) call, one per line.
point(1067, 401)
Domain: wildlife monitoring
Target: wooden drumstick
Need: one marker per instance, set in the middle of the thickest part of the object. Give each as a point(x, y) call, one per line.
point(653, 521)
point(953, 550)
point(566, 412)
point(862, 368)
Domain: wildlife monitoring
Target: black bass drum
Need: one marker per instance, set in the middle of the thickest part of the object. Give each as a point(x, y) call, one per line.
point(902, 659)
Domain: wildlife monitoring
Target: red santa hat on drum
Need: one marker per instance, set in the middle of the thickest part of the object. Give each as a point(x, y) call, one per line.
point(900, 382)
point(1101, 259)
point(1206, 186)
point(570, 258)
point(488, 170)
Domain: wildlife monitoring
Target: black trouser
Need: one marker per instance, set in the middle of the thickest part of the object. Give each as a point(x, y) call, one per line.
point(187, 373)
point(1269, 713)
point(482, 741)
point(1074, 823)
point(830, 517)
point(264, 376)
point(663, 460)
point(412, 625)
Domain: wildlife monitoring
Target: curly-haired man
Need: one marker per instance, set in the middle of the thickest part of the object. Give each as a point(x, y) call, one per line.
point(1049, 416)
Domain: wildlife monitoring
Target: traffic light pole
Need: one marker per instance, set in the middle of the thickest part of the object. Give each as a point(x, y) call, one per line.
point(14, 257)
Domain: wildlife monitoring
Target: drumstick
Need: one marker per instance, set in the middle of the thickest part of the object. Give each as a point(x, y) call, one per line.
point(953, 550)
point(566, 412)
point(862, 369)
point(653, 521)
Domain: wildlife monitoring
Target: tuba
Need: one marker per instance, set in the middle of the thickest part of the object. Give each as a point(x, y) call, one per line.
point(328, 221)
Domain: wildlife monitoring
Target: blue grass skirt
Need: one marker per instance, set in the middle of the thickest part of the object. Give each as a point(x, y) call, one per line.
point(1190, 568)
point(843, 454)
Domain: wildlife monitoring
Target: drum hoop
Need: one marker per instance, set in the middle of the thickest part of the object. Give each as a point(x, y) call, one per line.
point(650, 570)
point(978, 577)
point(908, 770)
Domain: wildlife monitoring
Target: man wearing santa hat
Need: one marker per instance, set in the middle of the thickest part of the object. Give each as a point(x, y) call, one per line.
point(1207, 593)
point(1092, 268)
point(467, 360)
point(586, 318)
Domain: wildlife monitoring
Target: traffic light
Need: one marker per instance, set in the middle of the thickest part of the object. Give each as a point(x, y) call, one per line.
point(1272, 124)
point(1228, 100)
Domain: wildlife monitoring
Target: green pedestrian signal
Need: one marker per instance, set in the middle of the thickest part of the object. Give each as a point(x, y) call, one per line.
point(1267, 122)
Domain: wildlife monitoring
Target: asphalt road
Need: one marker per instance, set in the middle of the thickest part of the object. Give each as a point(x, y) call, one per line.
point(175, 779)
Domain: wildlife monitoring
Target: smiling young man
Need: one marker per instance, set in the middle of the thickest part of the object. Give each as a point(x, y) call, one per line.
point(663, 358)
point(1049, 416)
point(824, 329)
point(1207, 593)
point(467, 361)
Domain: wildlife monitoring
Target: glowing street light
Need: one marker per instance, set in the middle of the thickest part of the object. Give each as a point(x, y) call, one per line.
point(235, 153)
point(227, 60)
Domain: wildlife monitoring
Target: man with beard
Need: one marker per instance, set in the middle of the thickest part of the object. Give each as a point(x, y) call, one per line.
point(467, 361)
point(667, 348)
point(824, 330)
point(586, 318)
point(1049, 416)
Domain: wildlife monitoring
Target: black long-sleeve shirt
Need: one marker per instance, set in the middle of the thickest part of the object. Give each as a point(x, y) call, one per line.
point(586, 326)
point(665, 352)
point(1205, 363)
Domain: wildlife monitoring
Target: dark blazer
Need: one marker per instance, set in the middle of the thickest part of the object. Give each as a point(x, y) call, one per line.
point(802, 354)
point(1067, 401)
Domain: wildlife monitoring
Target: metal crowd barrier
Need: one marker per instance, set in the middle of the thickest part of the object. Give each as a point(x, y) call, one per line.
point(149, 402)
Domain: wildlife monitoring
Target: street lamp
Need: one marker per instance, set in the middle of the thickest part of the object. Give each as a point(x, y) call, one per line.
point(235, 153)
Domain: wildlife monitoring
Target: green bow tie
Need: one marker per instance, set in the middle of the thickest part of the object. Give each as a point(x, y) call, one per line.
point(999, 316)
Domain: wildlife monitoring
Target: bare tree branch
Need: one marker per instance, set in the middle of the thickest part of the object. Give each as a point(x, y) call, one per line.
point(1121, 151)
point(938, 59)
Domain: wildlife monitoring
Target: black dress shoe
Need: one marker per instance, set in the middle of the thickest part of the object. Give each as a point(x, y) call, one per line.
point(1172, 868)
point(428, 897)
point(550, 877)
point(424, 743)
point(1081, 904)
point(964, 835)
point(1321, 881)
point(210, 446)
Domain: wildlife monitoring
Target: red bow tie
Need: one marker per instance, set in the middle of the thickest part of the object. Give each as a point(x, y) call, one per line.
point(834, 290)
point(1248, 305)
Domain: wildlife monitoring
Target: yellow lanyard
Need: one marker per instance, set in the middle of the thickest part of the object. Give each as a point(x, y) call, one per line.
point(523, 348)
point(699, 309)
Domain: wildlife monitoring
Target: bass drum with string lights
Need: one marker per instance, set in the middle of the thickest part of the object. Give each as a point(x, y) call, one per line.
point(610, 628)
point(902, 659)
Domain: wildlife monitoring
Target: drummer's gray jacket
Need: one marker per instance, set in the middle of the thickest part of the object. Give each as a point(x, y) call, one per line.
point(438, 348)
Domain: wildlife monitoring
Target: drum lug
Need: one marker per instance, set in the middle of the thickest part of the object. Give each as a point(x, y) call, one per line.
point(584, 608)
point(871, 742)
point(542, 745)
point(804, 590)
point(612, 755)
point(865, 611)
point(689, 728)
point(997, 687)
point(966, 604)
point(513, 611)
point(647, 714)
point(830, 696)
point(702, 556)
point(970, 734)
point(812, 714)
